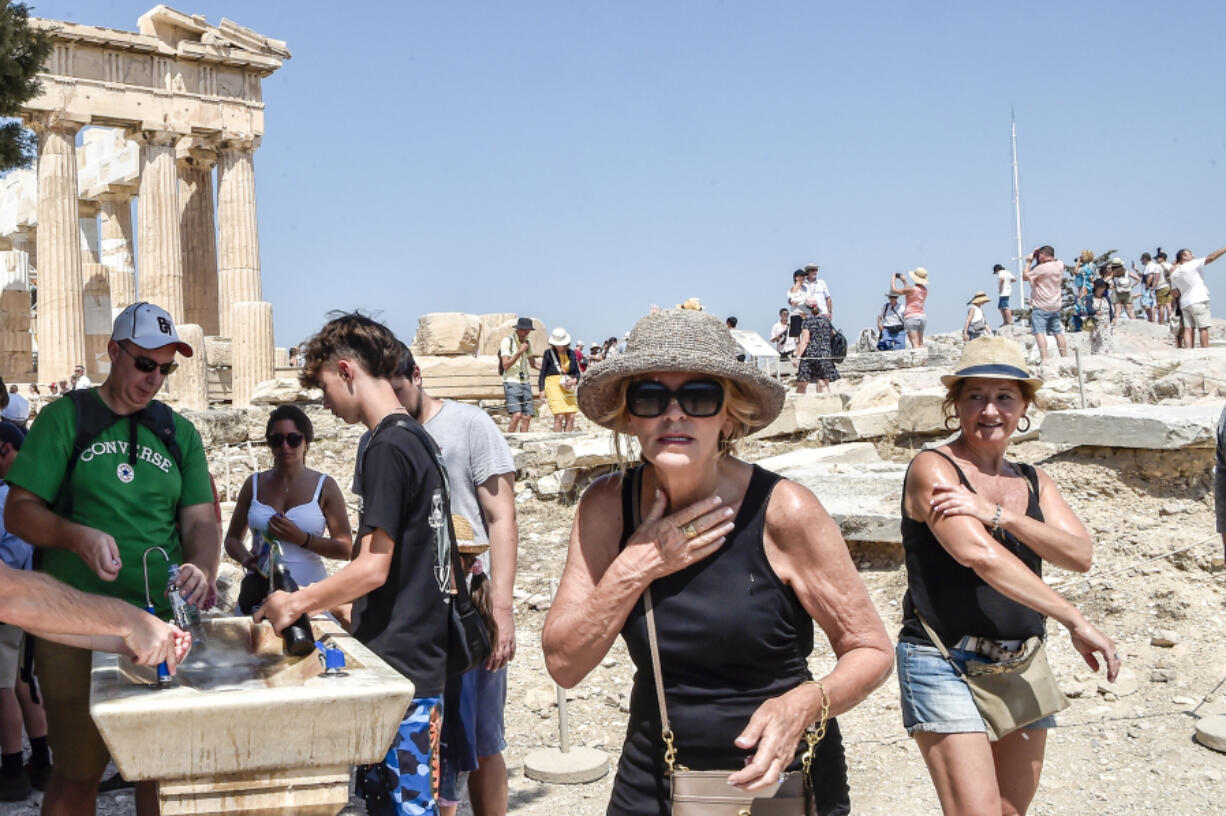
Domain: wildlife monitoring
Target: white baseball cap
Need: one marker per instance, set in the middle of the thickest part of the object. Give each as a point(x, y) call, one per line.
point(149, 327)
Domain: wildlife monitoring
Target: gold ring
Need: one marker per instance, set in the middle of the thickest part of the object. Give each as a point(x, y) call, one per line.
point(689, 530)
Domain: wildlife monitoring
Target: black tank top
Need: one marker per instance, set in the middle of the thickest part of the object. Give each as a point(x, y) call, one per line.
point(953, 599)
point(731, 634)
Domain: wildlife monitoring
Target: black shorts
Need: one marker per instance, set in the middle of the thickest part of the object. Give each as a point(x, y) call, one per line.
point(794, 322)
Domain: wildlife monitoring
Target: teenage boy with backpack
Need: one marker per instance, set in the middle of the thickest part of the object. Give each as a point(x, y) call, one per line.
point(399, 593)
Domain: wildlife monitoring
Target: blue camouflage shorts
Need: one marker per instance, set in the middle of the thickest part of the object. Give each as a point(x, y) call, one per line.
point(406, 782)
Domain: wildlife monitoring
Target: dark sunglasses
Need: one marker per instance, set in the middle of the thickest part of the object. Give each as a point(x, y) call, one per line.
point(146, 366)
point(698, 398)
point(278, 439)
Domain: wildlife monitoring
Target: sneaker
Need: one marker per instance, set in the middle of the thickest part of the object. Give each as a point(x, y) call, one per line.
point(38, 774)
point(14, 788)
point(113, 783)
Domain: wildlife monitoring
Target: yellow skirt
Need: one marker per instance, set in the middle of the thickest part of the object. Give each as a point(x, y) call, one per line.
point(560, 400)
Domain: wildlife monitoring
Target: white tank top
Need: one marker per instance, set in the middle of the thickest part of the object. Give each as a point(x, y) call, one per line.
point(305, 566)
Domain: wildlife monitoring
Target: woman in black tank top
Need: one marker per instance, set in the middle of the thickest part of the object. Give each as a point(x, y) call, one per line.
point(738, 561)
point(976, 529)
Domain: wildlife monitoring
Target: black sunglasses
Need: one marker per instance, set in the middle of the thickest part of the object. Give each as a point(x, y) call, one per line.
point(698, 398)
point(146, 366)
point(278, 439)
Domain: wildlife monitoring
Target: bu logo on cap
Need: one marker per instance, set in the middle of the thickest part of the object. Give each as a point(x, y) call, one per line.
point(164, 325)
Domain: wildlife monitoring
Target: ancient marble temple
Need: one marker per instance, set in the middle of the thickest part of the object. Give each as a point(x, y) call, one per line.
point(169, 117)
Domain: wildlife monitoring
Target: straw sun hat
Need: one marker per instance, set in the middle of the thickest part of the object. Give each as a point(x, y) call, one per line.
point(979, 299)
point(679, 340)
point(919, 274)
point(997, 358)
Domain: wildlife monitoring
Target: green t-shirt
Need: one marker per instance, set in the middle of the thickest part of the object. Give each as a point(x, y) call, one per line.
point(520, 369)
point(137, 505)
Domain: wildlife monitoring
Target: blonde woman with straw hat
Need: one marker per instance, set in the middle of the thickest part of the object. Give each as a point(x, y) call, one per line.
point(976, 529)
point(914, 318)
point(728, 564)
point(558, 378)
point(976, 324)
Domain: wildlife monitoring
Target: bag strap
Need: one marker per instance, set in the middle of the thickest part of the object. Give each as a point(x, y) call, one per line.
point(936, 641)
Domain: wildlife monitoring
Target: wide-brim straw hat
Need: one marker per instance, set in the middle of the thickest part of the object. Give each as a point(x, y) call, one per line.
point(996, 358)
point(691, 304)
point(979, 299)
point(559, 337)
point(679, 340)
point(919, 274)
point(464, 537)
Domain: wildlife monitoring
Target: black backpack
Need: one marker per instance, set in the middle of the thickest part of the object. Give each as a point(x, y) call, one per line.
point(838, 347)
point(94, 417)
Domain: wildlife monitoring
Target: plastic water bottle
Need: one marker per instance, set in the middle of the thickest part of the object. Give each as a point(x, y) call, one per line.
point(297, 636)
point(185, 615)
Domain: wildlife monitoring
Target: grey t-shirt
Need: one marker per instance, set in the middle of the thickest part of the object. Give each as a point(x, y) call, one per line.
point(473, 450)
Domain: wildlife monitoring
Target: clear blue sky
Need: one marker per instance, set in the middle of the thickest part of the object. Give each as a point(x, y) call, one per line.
point(580, 161)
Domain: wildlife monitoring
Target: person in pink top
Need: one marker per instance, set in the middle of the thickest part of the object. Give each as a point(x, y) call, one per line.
point(1045, 274)
point(914, 318)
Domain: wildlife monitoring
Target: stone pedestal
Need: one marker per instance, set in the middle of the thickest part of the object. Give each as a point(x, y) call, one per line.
point(238, 236)
point(61, 321)
point(198, 239)
point(160, 264)
point(189, 386)
point(251, 334)
point(16, 344)
point(116, 249)
point(96, 299)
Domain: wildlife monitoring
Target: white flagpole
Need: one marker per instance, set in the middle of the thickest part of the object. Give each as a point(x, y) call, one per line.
point(1017, 213)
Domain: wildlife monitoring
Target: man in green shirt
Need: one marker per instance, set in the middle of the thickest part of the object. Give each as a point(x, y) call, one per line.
point(92, 522)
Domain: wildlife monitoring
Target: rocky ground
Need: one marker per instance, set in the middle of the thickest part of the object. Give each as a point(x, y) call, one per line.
point(1158, 587)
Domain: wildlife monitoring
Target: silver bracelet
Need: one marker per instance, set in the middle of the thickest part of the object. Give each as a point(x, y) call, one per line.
point(996, 519)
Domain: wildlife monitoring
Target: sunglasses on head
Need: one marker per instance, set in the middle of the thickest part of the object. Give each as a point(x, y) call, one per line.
point(278, 439)
point(147, 366)
point(697, 398)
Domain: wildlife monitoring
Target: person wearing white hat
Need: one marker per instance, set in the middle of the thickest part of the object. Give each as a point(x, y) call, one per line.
point(93, 511)
point(914, 318)
point(976, 324)
point(558, 378)
point(976, 529)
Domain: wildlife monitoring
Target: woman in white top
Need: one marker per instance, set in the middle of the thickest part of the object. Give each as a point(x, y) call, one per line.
point(976, 324)
point(292, 504)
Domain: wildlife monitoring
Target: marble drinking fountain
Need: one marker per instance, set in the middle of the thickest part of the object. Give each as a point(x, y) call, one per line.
point(245, 730)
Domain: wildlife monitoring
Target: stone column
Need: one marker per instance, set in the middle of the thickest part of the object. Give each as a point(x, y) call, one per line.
point(116, 245)
point(197, 235)
point(16, 348)
point(87, 220)
point(96, 298)
point(189, 386)
point(252, 349)
point(160, 266)
point(238, 236)
point(61, 318)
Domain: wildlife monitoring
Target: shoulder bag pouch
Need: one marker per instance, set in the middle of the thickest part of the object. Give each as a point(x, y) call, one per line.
point(707, 793)
point(1013, 693)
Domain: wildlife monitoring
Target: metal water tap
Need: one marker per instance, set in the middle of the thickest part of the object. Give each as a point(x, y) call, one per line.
point(163, 668)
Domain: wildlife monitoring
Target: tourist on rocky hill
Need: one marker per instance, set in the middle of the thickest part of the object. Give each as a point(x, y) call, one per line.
point(301, 509)
point(737, 562)
point(399, 603)
point(1125, 280)
point(976, 323)
point(976, 529)
point(1163, 292)
point(558, 378)
point(814, 364)
point(914, 318)
point(517, 357)
point(1151, 276)
point(798, 310)
point(1188, 277)
point(781, 338)
point(1045, 274)
point(1100, 317)
point(1004, 290)
point(892, 336)
point(95, 515)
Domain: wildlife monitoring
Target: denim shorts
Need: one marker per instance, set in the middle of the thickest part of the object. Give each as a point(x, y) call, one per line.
point(914, 324)
point(519, 398)
point(1045, 322)
point(934, 698)
point(1003, 303)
